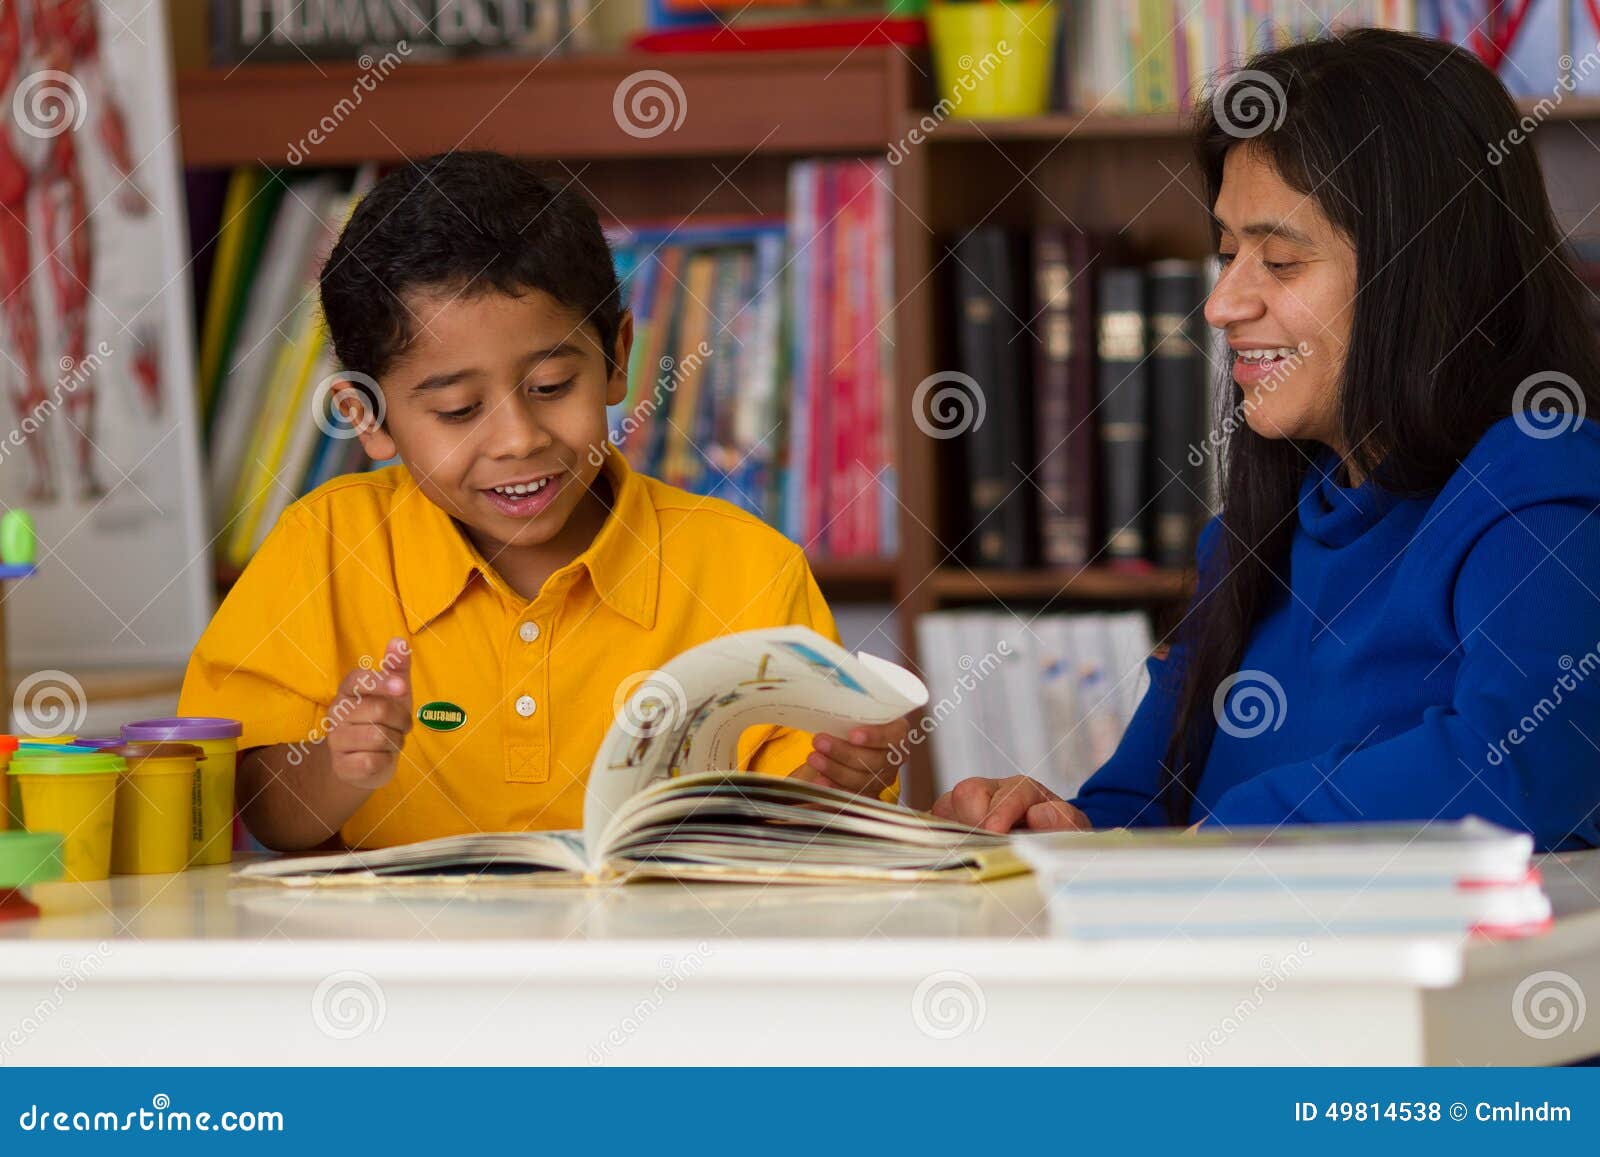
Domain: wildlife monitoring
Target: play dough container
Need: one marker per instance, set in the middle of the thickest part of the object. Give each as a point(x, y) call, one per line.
point(26, 858)
point(74, 794)
point(211, 820)
point(8, 745)
point(155, 807)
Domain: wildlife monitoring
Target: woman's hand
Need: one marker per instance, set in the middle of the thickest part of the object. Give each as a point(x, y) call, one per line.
point(998, 805)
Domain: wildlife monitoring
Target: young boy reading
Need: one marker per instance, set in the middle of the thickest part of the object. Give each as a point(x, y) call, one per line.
point(437, 647)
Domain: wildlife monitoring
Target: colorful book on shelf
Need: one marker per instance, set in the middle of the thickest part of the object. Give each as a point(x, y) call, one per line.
point(286, 274)
point(248, 208)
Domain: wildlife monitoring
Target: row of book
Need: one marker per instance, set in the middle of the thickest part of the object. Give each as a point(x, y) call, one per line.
point(1330, 880)
point(761, 373)
point(1090, 441)
point(1139, 56)
point(1047, 696)
point(264, 353)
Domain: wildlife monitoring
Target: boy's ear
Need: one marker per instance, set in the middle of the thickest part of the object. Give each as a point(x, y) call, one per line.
point(617, 386)
point(364, 414)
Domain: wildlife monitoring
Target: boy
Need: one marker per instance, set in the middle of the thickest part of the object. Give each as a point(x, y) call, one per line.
point(438, 647)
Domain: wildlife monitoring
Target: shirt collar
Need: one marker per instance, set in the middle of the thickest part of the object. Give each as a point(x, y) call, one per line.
point(434, 561)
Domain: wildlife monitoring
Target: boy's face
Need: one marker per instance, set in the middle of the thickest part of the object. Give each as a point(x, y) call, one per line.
point(495, 407)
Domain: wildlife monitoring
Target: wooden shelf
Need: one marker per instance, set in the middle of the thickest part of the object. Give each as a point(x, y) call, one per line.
point(559, 109)
point(1097, 583)
point(847, 579)
point(856, 579)
point(1067, 126)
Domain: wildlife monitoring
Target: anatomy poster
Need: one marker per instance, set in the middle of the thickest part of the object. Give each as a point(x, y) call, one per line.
point(99, 438)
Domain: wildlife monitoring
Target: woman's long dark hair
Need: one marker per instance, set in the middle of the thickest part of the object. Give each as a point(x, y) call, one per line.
point(1409, 147)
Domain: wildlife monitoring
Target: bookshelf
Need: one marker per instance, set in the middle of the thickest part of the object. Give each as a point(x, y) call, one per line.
point(747, 117)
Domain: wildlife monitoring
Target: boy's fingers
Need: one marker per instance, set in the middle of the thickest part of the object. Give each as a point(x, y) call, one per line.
point(877, 735)
point(843, 775)
point(384, 709)
point(354, 737)
point(867, 758)
point(397, 662)
point(811, 775)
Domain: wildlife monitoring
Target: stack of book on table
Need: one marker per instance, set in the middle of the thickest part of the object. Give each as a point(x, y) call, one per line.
point(1465, 876)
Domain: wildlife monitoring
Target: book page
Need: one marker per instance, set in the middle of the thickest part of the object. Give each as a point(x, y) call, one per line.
point(688, 716)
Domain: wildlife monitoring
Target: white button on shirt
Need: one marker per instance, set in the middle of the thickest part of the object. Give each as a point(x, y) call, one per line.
point(525, 706)
point(528, 632)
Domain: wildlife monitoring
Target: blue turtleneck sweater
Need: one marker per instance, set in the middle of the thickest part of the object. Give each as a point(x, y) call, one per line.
point(1432, 658)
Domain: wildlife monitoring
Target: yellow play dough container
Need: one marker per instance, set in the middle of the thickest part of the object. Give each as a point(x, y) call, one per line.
point(74, 794)
point(155, 807)
point(211, 814)
point(993, 60)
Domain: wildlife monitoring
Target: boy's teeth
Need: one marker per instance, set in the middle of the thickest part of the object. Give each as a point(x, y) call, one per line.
point(522, 488)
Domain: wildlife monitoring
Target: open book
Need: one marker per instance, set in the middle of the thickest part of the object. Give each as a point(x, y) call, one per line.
point(656, 805)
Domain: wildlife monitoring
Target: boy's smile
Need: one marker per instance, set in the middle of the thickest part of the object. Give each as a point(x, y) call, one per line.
point(494, 407)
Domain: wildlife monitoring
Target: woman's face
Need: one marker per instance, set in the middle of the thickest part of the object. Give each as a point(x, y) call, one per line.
point(1284, 300)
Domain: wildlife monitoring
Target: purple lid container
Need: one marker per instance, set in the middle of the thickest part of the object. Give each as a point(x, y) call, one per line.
point(99, 741)
point(182, 729)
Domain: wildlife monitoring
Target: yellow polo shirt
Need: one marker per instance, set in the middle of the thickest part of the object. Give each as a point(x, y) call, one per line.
point(527, 686)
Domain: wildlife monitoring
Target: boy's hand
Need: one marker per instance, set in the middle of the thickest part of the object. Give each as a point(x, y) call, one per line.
point(372, 714)
point(998, 805)
point(861, 763)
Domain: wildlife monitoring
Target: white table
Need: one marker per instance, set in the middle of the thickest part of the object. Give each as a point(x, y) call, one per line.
point(180, 970)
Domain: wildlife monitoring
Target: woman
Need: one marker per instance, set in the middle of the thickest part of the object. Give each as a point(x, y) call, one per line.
point(1398, 611)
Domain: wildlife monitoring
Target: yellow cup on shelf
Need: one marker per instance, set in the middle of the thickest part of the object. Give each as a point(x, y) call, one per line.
point(155, 807)
point(211, 818)
point(993, 59)
point(74, 794)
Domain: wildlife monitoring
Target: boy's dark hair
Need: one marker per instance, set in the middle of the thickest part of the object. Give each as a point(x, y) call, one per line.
point(470, 222)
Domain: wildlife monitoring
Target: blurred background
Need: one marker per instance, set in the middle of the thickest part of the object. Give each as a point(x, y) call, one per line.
point(919, 284)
